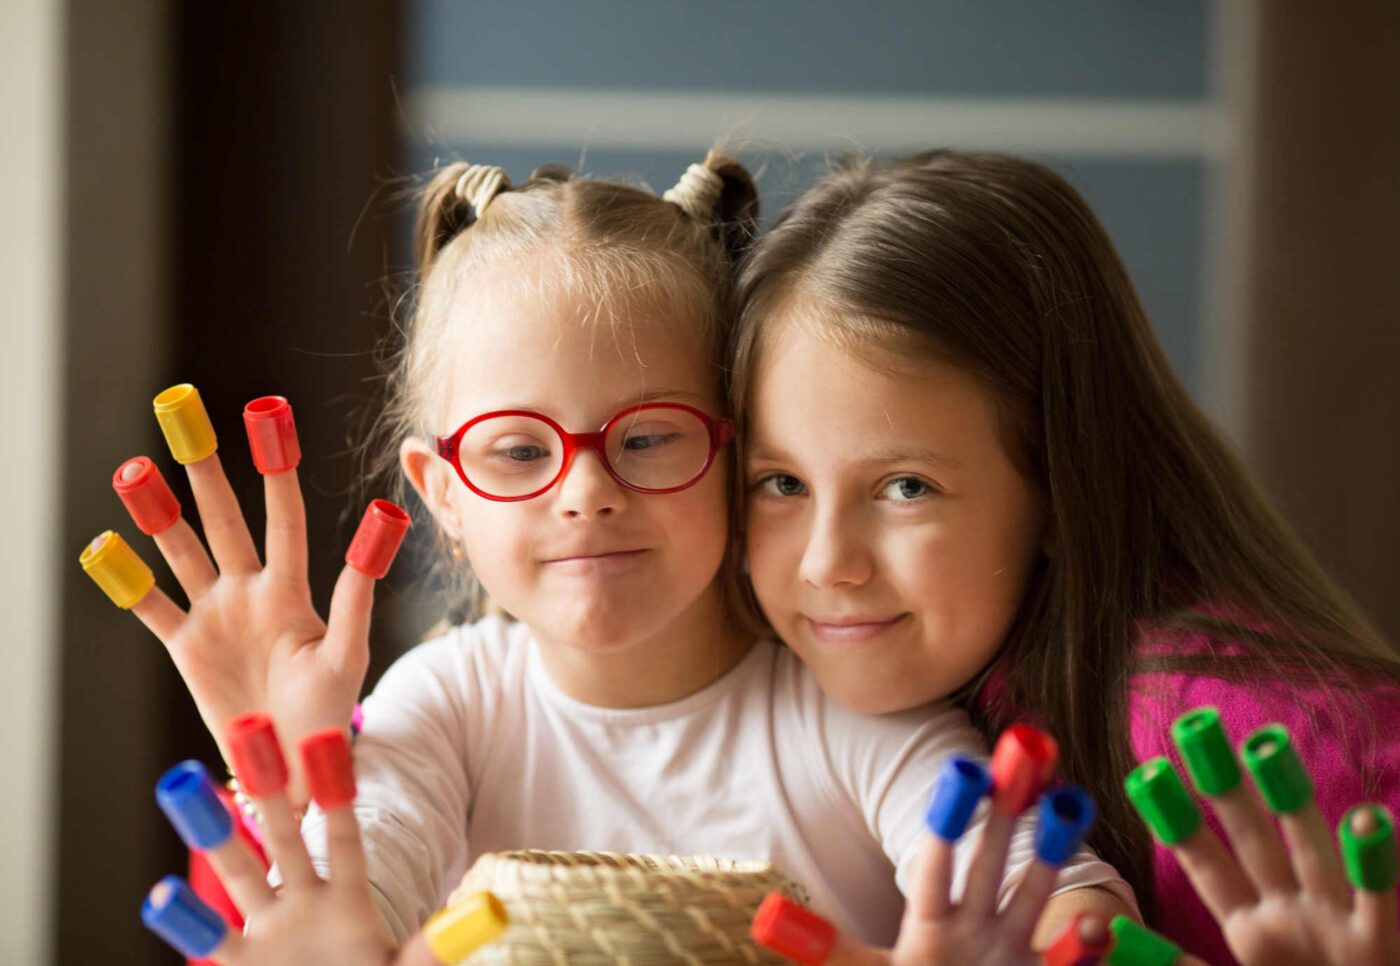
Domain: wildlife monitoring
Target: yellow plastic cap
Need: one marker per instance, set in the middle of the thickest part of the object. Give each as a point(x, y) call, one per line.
point(458, 930)
point(185, 423)
point(114, 566)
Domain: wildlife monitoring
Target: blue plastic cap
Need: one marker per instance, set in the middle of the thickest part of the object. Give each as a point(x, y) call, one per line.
point(959, 788)
point(188, 798)
point(173, 912)
point(1066, 815)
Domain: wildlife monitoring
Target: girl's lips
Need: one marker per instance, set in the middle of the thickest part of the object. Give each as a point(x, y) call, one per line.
point(847, 631)
point(597, 563)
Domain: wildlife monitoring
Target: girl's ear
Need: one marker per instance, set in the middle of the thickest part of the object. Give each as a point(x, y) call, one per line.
point(433, 479)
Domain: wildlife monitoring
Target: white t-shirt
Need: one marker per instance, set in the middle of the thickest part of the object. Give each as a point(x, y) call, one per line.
point(468, 747)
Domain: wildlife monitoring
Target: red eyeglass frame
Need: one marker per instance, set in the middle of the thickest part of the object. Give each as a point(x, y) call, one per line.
point(721, 432)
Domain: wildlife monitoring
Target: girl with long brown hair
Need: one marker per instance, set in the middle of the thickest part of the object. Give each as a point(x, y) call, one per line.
point(970, 471)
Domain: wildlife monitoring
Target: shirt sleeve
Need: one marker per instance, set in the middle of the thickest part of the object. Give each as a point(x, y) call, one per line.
point(888, 763)
point(412, 787)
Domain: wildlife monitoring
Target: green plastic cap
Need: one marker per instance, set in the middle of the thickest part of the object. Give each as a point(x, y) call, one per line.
point(1206, 751)
point(1156, 791)
point(1370, 857)
point(1282, 780)
point(1135, 945)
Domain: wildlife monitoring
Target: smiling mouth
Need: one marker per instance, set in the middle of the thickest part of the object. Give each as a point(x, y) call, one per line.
point(852, 631)
point(614, 558)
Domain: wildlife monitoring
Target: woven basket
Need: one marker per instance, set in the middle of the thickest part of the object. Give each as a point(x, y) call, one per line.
point(610, 908)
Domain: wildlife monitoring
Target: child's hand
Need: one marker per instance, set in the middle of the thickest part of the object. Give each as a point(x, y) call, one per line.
point(934, 930)
point(1278, 902)
point(251, 637)
point(308, 921)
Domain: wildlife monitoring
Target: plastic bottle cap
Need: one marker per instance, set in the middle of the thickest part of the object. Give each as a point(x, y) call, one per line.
point(1156, 791)
point(187, 797)
point(257, 756)
point(1066, 815)
point(272, 435)
point(1369, 855)
point(326, 764)
point(146, 495)
point(185, 423)
point(172, 911)
point(115, 567)
point(960, 786)
point(377, 539)
point(1135, 945)
point(459, 929)
point(790, 929)
point(1070, 948)
point(1022, 765)
point(1206, 751)
point(1270, 757)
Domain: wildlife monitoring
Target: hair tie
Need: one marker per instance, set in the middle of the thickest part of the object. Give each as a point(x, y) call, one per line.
point(697, 192)
point(479, 184)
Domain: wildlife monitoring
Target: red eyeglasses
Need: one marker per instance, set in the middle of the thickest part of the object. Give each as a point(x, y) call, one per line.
point(514, 454)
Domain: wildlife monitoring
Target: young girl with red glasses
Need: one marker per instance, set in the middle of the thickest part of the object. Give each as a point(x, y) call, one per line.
point(559, 405)
point(971, 474)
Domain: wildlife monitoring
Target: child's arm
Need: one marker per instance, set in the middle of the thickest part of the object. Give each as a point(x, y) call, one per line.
point(250, 636)
point(1277, 899)
point(310, 920)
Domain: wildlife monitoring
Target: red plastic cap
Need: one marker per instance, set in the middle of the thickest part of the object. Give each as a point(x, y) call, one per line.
point(377, 540)
point(330, 774)
point(272, 434)
point(792, 930)
point(257, 757)
point(1022, 766)
point(146, 495)
point(1070, 948)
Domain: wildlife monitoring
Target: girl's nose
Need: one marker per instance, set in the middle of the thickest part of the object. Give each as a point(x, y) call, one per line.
point(835, 555)
point(588, 490)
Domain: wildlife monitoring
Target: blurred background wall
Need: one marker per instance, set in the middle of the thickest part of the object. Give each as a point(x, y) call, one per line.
point(205, 193)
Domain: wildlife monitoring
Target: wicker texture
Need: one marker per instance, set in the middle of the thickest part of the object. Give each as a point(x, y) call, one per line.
point(595, 908)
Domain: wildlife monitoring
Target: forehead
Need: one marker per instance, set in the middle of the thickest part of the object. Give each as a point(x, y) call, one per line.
point(529, 335)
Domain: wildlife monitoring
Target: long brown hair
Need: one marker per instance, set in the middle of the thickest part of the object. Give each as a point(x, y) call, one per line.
point(996, 264)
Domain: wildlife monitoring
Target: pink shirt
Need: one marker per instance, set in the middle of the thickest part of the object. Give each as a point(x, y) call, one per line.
point(1333, 749)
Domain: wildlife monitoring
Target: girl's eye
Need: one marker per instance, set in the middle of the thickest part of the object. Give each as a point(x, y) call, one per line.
point(649, 441)
point(518, 451)
point(906, 489)
point(781, 484)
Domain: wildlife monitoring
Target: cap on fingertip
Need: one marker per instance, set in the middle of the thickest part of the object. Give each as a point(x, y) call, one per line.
point(377, 539)
point(792, 930)
point(1156, 791)
point(1136, 945)
point(146, 495)
point(187, 796)
point(329, 771)
point(1022, 765)
point(116, 568)
point(1369, 856)
point(1210, 761)
point(174, 913)
point(458, 930)
point(1071, 948)
point(1066, 815)
point(272, 435)
point(1281, 778)
point(185, 424)
point(256, 753)
point(960, 786)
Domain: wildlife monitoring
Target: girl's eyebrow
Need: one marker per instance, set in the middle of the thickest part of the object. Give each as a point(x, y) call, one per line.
point(898, 454)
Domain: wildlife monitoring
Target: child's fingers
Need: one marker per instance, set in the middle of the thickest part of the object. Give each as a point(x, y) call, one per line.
point(129, 583)
point(1315, 858)
point(1367, 834)
point(272, 439)
point(187, 796)
point(1251, 831)
point(1084, 939)
point(372, 551)
point(1023, 764)
point(960, 786)
point(161, 615)
point(188, 560)
point(262, 774)
point(156, 511)
point(1022, 913)
point(1214, 874)
point(984, 879)
point(222, 519)
point(172, 911)
point(1066, 815)
point(330, 780)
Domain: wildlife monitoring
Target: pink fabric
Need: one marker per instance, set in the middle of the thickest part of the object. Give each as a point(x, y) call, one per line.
point(1335, 749)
